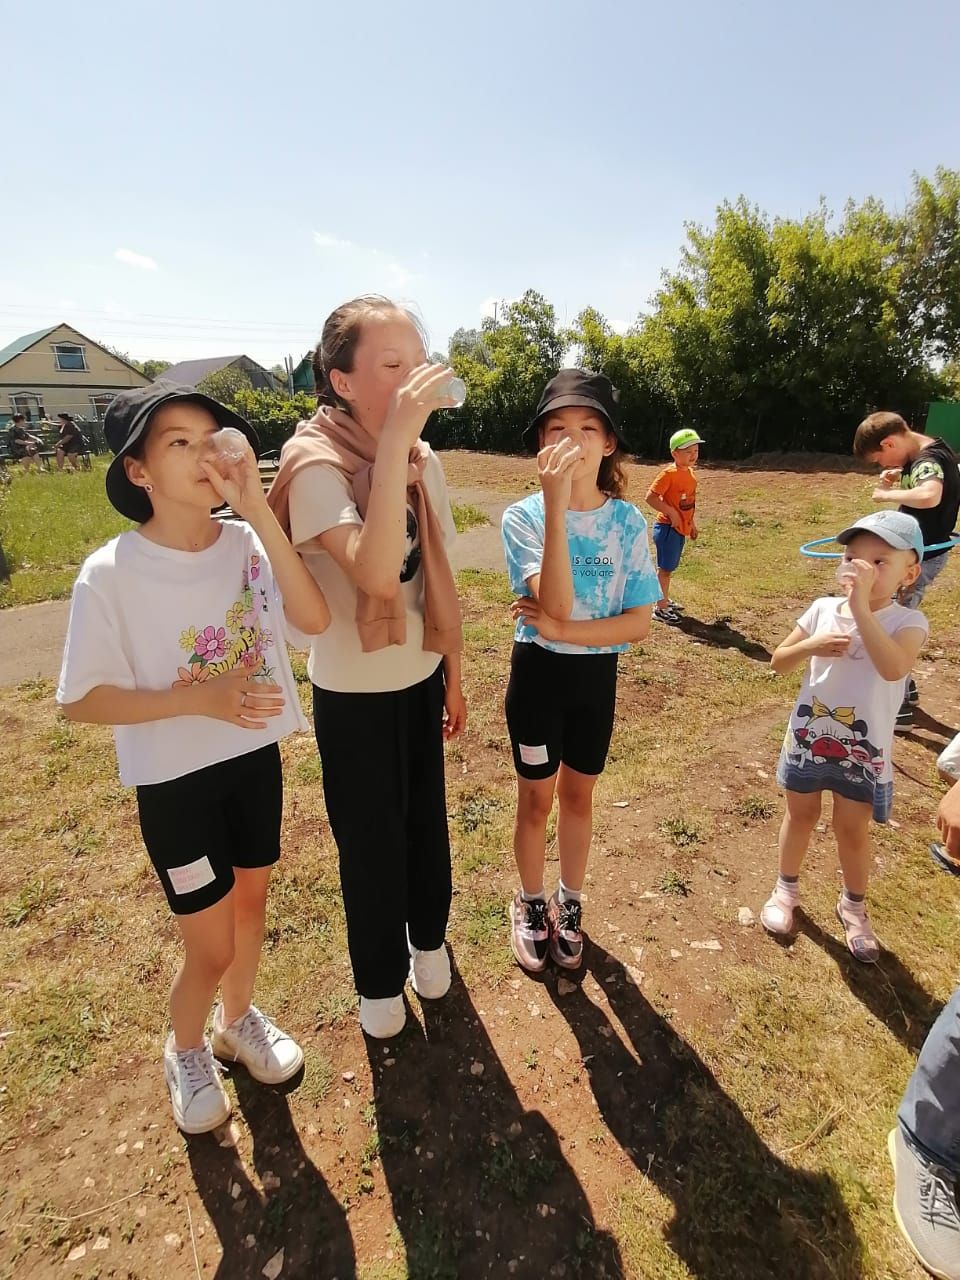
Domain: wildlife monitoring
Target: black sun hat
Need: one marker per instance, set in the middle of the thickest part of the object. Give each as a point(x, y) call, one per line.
point(580, 388)
point(125, 422)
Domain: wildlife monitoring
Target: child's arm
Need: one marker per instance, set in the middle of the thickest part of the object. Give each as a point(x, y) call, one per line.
point(233, 697)
point(371, 554)
point(893, 656)
point(553, 585)
point(664, 507)
point(624, 628)
point(303, 601)
point(800, 645)
point(923, 496)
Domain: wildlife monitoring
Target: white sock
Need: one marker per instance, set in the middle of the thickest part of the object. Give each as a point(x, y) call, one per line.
point(563, 893)
point(532, 897)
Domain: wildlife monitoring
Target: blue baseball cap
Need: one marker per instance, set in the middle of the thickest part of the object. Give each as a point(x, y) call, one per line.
point(896, 528)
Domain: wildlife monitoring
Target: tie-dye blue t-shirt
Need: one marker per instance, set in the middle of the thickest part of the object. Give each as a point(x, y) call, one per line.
point(609, 560)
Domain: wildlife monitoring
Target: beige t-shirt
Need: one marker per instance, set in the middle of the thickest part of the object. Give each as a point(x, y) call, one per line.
point(321, 499)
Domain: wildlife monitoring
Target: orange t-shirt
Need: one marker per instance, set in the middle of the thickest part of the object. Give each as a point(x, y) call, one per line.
point(679, 488)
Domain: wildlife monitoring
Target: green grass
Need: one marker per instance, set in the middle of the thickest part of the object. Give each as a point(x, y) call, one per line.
point(466, 516)
point(49, 523)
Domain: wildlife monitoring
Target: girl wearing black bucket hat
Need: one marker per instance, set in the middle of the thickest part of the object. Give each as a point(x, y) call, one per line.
point(580, 566)
point(176, 638)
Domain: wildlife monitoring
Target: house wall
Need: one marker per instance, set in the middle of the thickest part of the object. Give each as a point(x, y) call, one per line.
point(35, 372)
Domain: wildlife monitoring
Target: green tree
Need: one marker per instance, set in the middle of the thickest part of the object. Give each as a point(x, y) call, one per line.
point(225, 384)
point(153, 369)
point(273, 414)
point(928, 252)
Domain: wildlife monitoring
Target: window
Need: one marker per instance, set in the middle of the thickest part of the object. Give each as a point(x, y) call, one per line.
point(101, 403)
point(69, 357)
point(30, 405)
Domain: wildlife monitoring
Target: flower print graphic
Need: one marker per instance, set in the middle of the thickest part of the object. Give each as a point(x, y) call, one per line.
point(235, 616)
point(211, 643)
point(188, 639)
point(194, 674)
point(254, 567)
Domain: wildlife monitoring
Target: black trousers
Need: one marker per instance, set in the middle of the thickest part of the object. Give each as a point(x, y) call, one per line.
point(383, 783)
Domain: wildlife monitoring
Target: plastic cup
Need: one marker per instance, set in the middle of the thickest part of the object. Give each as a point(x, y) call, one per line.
point(454, 389)
point(845, 571)
point(228, 447)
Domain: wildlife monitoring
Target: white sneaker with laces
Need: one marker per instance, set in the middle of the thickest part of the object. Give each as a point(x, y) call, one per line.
point(382, 1018)
point(200, 1102)
point(430, 973)
point(269, 1054)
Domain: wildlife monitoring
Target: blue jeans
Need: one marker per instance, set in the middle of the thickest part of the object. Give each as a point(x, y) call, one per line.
point(929, 1114)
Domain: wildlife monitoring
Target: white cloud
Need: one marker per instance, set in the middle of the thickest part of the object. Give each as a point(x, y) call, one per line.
point(135, 259)
point(324, 241)
point(397, 275)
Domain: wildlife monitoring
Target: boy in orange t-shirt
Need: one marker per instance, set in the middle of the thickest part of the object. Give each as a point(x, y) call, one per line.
point(673, 495)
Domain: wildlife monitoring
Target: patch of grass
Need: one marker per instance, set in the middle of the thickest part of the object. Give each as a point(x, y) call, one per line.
point(477, 809)
point(484, 920)
point(517, 1176)
point(51, 523)
point(756, 808)
point(55, 1030)
point(466, 516)
point(674, 884)
point(743, 519)
point(317, 1077)
point(683, 832)
point(36, 895)
point(485, 586)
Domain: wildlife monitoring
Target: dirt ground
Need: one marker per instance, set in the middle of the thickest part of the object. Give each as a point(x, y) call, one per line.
point(521, 1126)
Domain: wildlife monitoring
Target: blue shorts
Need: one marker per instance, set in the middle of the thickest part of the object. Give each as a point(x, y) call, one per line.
point(669, 545)
point(827, 775)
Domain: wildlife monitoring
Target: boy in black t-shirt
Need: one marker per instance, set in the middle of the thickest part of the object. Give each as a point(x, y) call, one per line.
point(921, 475)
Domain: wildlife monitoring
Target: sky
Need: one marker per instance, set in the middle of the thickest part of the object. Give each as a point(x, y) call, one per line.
point(186, 179)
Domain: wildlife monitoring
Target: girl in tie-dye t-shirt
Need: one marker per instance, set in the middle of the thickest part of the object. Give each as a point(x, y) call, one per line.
point(579, 563)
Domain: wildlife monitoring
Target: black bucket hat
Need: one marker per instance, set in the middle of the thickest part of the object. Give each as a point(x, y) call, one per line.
point(128, 417)
point(580, 388)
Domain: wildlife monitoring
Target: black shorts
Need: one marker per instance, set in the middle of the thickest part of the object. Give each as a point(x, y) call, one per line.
point(199, 827)
point(560, 709)
point(70, 444)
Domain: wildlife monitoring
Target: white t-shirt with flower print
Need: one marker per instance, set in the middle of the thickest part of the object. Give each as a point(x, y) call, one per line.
point(150, 617)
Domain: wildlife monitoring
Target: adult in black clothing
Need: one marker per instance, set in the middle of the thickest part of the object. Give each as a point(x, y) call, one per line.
point(69, 442)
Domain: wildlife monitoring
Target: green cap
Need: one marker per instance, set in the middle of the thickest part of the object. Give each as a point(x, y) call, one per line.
point(681, 439)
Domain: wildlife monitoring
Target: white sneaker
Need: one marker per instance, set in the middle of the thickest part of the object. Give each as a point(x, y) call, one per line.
point(269, 1054)
point(382, 1018)
point(200, 1102)
point(430, 973)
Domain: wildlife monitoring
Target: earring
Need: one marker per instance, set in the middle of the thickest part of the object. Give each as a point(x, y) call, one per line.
point(149, 488)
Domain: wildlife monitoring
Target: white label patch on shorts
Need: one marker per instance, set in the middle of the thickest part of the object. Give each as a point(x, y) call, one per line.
point(194, 876)
point(533, 755)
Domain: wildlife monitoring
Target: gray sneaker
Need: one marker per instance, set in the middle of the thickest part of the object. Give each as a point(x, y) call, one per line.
point(269, 1054)
point(199, 1100)
point(925, 1207)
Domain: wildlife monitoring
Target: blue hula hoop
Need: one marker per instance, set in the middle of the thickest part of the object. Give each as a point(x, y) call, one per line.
point(805, 550)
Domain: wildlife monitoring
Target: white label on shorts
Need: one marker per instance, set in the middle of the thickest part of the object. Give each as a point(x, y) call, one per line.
point(533, 755)
point(195, 875)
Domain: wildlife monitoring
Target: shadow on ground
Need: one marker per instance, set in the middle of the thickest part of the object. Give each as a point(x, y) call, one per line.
point(739, 1210)
point(467, 1165)
point(297, 1212)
